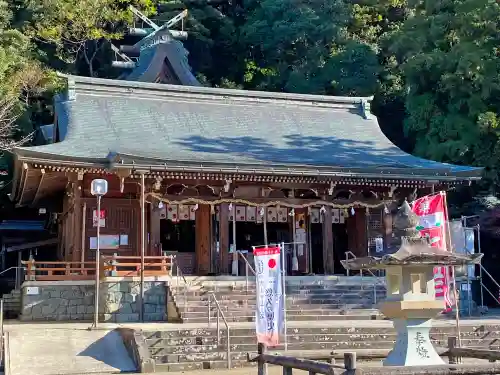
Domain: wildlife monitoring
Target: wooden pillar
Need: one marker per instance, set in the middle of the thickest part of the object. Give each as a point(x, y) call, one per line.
point(224, 239)
point(76, 220)
point(356, 229)
point(303, 256)
point(387, 230)
point(154, 231)
point(203, 239)
point(65, 226)
point(327, 231)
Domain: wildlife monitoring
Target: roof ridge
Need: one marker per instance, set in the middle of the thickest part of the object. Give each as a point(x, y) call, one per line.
point(112, 86)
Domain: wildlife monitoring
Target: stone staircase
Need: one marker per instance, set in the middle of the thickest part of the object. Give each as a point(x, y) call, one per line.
point(193, 349)
point(12, 304)
point(308, 299)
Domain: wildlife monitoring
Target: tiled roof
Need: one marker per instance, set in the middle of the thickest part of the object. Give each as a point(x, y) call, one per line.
point(218, 128)
point(167, 51)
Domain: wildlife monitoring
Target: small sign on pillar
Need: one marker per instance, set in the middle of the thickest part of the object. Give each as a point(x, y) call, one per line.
point(99, 218)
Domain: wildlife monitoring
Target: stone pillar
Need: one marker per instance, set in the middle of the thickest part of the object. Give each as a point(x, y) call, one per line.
point(413, 345)
point(411, 304)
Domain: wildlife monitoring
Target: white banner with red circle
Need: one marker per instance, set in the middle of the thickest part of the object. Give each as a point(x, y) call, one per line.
point(269, 320)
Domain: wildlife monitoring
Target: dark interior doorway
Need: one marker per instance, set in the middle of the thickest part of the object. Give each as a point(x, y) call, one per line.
point(180, 236)
point(317, 263)
point(278, 232)
point(340, 246)
point(248, 234)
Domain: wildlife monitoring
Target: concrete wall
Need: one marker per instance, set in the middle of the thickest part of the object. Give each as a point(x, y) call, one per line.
point(74, 300)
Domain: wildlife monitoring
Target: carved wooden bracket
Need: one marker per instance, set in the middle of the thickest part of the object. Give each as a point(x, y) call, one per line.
point(122, 175)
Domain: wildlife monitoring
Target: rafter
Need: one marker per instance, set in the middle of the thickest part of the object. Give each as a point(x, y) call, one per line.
point(38, 189)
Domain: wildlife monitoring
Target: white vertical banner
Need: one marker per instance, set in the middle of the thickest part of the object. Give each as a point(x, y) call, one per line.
point(269, 320)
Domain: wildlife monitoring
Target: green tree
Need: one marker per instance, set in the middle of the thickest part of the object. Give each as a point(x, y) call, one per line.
point(449, 57)
point(22, 80)
point(303, 46)
point(77, 31)
point(214, 52)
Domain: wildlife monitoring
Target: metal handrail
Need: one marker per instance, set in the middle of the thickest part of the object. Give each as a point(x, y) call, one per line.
point(18, 278)
point(347, 253)
point(247, 267)
point(180, 275)
point(220, 313)
point(482, 270)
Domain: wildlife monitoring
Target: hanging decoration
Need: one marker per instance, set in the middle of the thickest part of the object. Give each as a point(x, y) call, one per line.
point(292, 212)
point(386, 210)
point(262, 212)
point(322, 209)
point(352, 211)
point(232, 201)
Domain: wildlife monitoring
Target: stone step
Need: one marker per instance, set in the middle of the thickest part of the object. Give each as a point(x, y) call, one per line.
point(205, 365)
point(252, 286)
point(171, 354)
point(295, 318)
point(236, 306)
point(290, 307)
point(307, 338)
point(191, 366)
point(491, 339)
point(323, 300)
point(290, 312)
point(302, 294)
point(466, 330)
point(168, 350)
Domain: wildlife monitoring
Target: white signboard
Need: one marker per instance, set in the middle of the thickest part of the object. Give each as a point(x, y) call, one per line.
point(270, 305)
point(32, 291)
point(106, 241)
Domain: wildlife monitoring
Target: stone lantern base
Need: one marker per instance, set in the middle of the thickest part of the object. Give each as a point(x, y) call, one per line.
point(413, 346)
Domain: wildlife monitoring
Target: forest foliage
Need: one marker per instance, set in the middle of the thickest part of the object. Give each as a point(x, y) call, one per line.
point(433, 65)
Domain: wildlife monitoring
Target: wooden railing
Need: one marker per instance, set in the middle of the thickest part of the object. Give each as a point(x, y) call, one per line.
point(56, 271)
point(350, 366)
point(114, 265)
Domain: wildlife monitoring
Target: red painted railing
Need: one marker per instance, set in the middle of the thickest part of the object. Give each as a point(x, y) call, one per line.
point(114, 265)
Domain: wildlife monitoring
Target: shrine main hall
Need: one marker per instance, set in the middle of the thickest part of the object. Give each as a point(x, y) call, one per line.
point(211, 173)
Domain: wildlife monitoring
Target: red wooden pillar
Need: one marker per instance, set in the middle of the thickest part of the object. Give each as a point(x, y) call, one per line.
point(203, 243)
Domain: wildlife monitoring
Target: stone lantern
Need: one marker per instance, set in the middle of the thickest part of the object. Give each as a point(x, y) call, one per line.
point(411, 298)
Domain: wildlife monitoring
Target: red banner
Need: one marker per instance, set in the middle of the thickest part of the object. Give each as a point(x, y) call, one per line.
point(432, 213)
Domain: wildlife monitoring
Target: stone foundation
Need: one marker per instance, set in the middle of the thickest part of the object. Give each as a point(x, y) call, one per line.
point(119, 301)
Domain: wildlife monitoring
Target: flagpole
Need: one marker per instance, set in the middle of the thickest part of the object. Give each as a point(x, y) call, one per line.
point(428, 195)
point(454, 283)
point(283, 292)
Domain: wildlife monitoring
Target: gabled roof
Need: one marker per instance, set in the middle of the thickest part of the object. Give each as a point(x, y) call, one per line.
point(169, 126)
point(159, 51)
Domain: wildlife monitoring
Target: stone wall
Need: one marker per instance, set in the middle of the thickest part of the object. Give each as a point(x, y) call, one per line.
point(74, 300)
